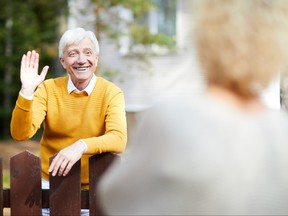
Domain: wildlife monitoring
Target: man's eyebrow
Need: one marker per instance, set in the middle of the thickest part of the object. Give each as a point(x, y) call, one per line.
point(69, 50)
point(88, 48)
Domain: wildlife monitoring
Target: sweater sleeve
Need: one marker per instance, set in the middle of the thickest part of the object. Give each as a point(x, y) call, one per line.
point(28, 115)
point(115, 136)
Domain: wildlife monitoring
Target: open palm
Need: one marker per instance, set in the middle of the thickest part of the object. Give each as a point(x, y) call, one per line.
point(29, 76)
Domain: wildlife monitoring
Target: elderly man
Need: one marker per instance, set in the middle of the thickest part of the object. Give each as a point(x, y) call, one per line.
point(82, 114)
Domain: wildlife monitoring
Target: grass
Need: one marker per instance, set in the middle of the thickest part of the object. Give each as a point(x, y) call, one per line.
point(6, 181)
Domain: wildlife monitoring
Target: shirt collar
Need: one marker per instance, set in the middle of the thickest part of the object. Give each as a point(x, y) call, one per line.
point(88, 89)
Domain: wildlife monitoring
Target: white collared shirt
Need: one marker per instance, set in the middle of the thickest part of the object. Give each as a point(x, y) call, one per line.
point(88, 89)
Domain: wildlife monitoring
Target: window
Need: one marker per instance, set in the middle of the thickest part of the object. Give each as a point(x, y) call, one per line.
point(163, 19)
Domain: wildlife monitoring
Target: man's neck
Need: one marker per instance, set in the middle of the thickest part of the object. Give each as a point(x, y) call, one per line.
point(81, 85)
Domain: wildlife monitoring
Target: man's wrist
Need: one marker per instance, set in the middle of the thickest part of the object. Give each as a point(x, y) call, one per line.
point(26, 97)
point(84, 146)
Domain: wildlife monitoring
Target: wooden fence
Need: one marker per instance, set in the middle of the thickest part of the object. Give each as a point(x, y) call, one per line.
point(65, 197)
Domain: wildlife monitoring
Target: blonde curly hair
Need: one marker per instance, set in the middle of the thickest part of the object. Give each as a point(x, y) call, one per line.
point(242, 44)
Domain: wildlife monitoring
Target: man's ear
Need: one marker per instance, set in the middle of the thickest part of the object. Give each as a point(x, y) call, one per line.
point(62, 62)
point(97, 59)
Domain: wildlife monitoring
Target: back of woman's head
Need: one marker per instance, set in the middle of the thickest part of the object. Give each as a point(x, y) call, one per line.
point(242, 44)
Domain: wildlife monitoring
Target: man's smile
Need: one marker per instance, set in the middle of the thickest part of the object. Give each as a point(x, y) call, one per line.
point(82, 69)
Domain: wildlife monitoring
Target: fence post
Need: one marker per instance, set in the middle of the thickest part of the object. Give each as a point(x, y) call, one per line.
point(1, 189)
point(98, 165)
point(65, 192)
point(25, 196)
point(25, 184)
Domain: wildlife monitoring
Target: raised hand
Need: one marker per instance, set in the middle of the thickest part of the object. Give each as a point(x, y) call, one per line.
point(29, 76)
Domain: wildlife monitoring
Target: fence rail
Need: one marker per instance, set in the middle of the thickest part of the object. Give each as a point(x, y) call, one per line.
point(65, 197)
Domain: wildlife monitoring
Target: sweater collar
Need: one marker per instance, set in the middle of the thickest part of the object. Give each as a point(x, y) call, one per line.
point(88, 89)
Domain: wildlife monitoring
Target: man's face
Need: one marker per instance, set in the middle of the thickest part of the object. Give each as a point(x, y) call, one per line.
point(80, 60)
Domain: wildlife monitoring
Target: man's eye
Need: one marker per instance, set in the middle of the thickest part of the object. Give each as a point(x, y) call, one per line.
point(72, 54)
point(88, 52)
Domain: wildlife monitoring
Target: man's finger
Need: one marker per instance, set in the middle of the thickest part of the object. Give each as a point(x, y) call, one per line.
point(62, 167)
point(56, 163)
point(68, 168)
point(32, 59)
point(51, 167)
point(44, 72)
point(28, 59)
point(23, 62)
point(35, 60)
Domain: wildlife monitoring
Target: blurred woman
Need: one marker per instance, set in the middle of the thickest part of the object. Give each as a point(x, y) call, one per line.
point(224, 152)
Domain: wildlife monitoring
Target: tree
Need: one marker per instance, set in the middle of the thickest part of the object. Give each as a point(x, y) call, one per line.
point(25, 25)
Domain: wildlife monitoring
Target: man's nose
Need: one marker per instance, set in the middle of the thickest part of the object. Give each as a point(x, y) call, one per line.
point(81, 58)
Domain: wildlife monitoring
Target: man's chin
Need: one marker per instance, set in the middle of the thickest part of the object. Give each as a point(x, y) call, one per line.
point(83, 75)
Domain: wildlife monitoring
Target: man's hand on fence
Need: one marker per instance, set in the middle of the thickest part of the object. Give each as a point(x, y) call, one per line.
point(66, 158)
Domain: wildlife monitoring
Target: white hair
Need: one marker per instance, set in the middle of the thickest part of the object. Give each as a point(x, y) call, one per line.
point(72, 36)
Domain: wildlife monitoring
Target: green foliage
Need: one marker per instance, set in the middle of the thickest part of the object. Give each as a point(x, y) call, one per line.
point(25, 25)
point(141, 40)
point(111, 26)
point(141, 35)
point(138, 7)
point(6, 181)
point(137, 29)
point(112, 74)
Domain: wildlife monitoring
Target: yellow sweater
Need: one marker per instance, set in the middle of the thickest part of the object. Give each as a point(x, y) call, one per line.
point(99, 119)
